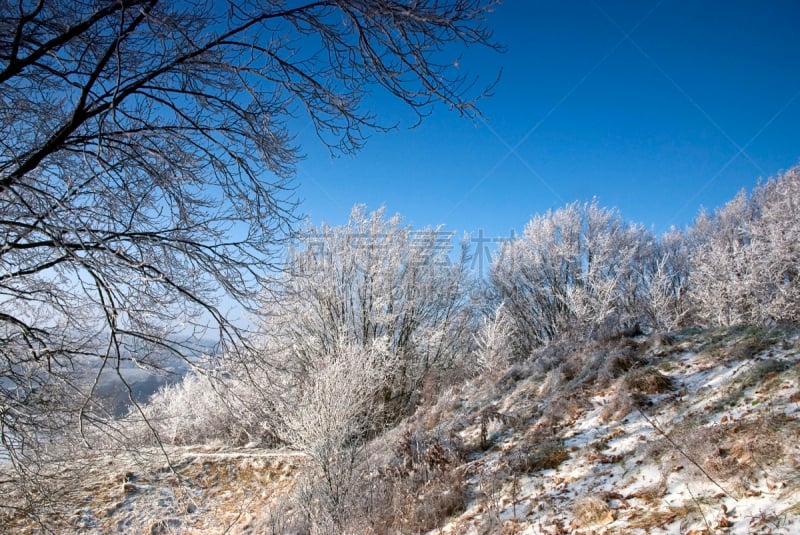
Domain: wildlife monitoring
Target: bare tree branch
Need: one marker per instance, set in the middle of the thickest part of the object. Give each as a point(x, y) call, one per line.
point(146, 156)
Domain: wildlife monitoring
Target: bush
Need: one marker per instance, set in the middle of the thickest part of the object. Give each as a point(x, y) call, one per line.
point(746, 265)
point(372, 280)
point(582, 270)
point(203, 409)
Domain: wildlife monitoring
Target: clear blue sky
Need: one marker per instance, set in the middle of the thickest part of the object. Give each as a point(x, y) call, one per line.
point(655, 108)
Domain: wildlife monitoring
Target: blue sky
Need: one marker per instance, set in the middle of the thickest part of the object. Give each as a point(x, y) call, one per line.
point(655, 108)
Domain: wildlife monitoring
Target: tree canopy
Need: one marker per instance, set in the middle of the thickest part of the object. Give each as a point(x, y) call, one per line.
point(146, 156)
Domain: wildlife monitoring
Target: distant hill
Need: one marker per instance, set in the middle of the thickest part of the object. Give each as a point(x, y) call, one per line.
point(112, 391)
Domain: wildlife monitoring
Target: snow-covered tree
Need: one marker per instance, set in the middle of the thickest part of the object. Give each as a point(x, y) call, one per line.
point(776, 247)
point(373, 279)
point(721, 274)
point(493, 345)
point(330, 419)
point(203, 408)
point(746, 262)
point(579, 267)
point(146, 156)
point(666, 302)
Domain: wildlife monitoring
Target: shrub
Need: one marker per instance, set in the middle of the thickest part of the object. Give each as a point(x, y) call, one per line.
point(200, 409)
point(744, 268)
point(372, 280)
point(582, 270)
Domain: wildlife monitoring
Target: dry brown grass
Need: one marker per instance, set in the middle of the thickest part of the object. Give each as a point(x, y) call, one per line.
point(591, 510)
point(619, 362)
point(765, 374)
point(418, 488)
point(732, 344)
point(208, 494)
point(533, 456)
point(620, 405)
point(654, 518)
point(564, 410)
point(632, 391)
point(734, 453)
point(420, 508)
point(750, 446)
point(650, 494)
point(661, 343)
point(648, 380)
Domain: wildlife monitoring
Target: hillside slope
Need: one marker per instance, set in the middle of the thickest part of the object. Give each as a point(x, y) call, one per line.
point(696, 432)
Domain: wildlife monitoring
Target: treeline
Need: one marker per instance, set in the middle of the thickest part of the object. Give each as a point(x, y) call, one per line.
point(412, 316)
point(583, 271)
point(372, 318)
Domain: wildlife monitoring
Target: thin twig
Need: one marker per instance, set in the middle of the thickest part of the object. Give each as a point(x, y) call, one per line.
point(691, 460)
point(699, 508)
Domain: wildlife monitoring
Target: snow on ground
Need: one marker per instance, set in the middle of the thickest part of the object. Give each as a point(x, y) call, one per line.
point(200, 490)
point(698, 436)
point(716, 454)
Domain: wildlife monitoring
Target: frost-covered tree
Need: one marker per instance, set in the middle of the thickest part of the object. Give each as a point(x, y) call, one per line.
point(493, 348)
point(146, 153)
point(776, 247)
point(373, 279)
point(666, 302)
point(202, 408)
point(367, 313)
point(722, 267)
point(330, 419)
point(579, 267)
point(745, 264)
